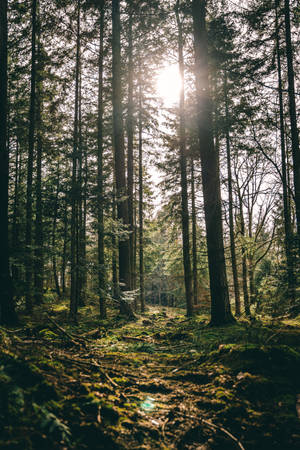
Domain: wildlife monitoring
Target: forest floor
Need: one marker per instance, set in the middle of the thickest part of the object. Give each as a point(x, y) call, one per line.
point(160, 382)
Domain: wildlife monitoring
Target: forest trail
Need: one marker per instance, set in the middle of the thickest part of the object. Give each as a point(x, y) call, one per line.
point(161, 382)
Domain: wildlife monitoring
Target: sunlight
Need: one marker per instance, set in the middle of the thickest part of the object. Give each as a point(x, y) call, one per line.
point(169, 84)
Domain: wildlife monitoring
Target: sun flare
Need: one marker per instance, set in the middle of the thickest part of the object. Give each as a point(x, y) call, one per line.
point(169, 84)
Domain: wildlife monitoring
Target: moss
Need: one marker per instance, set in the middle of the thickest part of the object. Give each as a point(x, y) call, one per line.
point(48, 334)
point(122, 381)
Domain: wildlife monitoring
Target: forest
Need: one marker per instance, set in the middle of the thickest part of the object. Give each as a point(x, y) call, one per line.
point(149, 224)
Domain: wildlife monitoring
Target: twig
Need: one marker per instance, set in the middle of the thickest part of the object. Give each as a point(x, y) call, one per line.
point(65, 333)
point(215, 427)
point(272, 336)
point(91, 333)
point(89, 364)
point(185, 365)
point(104, 373)
point(163, 427)
point(12, 331)
point(133, 338)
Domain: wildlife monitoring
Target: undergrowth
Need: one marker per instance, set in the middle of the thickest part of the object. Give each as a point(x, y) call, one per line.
point(157, 382)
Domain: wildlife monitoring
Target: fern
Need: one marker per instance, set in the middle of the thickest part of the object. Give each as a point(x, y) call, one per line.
point(52, 424)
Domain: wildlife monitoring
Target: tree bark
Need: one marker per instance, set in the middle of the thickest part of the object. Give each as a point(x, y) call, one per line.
point(183, 176)
point(31, 132)
point(220, 306)
point(244, 259)
point(39, 253)
point(194, 235)
point(101, 269)
point(7, 311)
point(65, 245)
point(80, 245)
point(54, 225)
point(288, 235)
point(16, 216)
point(118, 135)
point(115, 282)
point(230, 205)
point(141, 199)
point(130, 131)
point(74, 194)
point(293, 115)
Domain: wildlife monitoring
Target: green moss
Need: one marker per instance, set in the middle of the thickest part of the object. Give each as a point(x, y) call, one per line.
point(121, 381)
point(48, 334)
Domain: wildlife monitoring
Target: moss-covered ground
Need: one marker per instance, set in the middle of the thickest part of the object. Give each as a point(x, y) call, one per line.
point(160, 382)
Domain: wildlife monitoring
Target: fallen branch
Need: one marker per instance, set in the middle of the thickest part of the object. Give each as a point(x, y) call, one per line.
point(272, 336)
point(177, 369)
point(65, 333)
point(104, 373)
point(91, 334)
point(91, 363)
point(133, 338)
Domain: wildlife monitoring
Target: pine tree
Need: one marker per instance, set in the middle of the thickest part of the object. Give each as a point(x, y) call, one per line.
point(7, 311)
point(220, 306)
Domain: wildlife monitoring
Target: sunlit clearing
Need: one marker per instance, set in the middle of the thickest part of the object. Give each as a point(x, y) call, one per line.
point(169, 84)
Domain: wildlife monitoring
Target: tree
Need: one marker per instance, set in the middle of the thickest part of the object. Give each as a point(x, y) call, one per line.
point(286, 206)
point(74, 300)
point(230, 205)
point(100, 205)
point(7, 311)
point(31, 135)
point(118, 142)
point(39, 247)
point(194, 234)
point(130, 134)
point(141, 198)
point(220, 306)
point(183, 174)
point(293, 115)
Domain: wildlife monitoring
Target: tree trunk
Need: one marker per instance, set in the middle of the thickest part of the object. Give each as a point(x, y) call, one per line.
point(54, 265)
point(16, 216)
point(39, 254)
point(141, 199)
point(65, 245)
point(118, 135)
point(183, 177)
point(244, 260)
point(194, 235)
point(7, 311)
point(115, 283)
point(230, 206)
point(288, 235)
point(84, 221)
point(31, 132)
point(130, 130)
point(101, 269)
point(293, 115)
point(220, 306)
point(80, 263)
point(74, 194)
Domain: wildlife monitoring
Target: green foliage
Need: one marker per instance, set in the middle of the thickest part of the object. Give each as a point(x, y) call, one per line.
point(51, 424)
